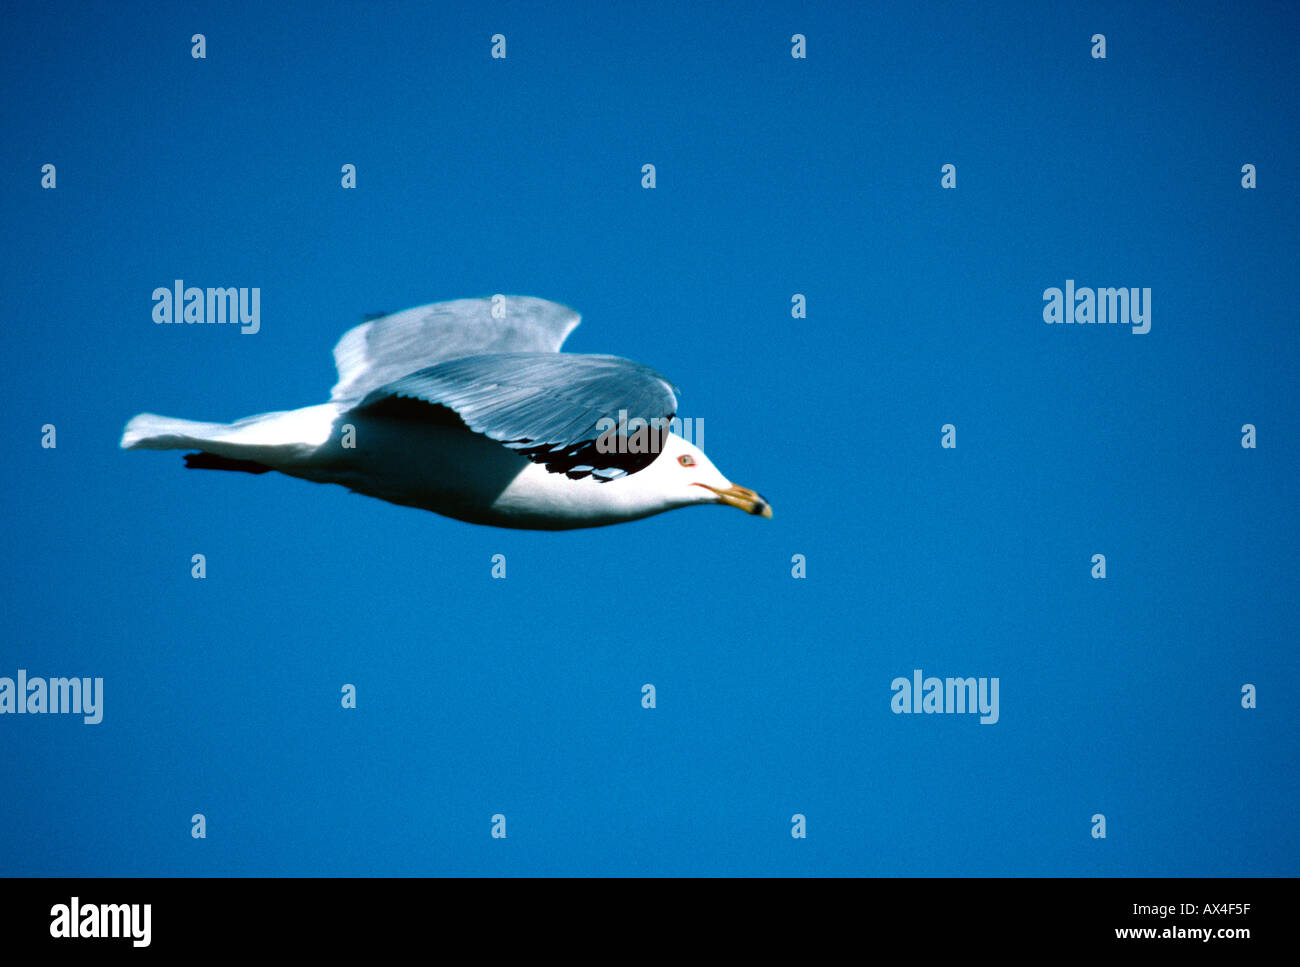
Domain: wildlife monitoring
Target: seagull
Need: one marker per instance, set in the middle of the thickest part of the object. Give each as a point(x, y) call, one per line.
point(469, 409)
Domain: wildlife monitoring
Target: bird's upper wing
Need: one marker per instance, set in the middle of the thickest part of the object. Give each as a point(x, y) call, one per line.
point(547, 406)
point(386, 348)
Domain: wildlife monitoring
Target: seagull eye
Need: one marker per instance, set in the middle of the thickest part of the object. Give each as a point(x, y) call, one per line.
point(686, 460)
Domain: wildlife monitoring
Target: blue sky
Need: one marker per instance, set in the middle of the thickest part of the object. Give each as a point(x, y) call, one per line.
point(775, 176)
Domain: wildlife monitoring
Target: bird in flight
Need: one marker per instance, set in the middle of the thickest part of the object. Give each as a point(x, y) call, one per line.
point(475, 414)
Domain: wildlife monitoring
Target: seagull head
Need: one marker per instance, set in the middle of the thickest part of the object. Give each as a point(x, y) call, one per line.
point(691, 478)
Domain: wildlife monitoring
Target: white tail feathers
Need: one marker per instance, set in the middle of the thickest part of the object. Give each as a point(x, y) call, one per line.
point(289, 433)
point(149, 431)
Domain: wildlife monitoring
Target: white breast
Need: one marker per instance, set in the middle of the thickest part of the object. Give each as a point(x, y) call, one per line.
point(452, 471)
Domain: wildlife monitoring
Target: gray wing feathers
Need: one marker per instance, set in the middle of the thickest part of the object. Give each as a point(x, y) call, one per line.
point(536, 400)
point(380, 351)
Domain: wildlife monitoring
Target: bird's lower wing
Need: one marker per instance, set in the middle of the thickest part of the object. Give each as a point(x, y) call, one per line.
point(574, 414)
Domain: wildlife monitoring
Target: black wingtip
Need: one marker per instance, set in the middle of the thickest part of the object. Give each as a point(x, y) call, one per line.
point(210, 461)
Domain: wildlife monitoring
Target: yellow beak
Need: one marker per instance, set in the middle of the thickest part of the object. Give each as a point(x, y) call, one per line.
point(747, 500)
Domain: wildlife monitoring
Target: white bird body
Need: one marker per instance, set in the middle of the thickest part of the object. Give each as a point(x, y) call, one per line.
point(400, 441)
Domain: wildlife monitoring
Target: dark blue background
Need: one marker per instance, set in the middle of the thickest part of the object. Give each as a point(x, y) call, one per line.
point(775, 176)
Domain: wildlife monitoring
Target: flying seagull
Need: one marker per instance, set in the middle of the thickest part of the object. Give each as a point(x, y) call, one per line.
point(475, 414)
